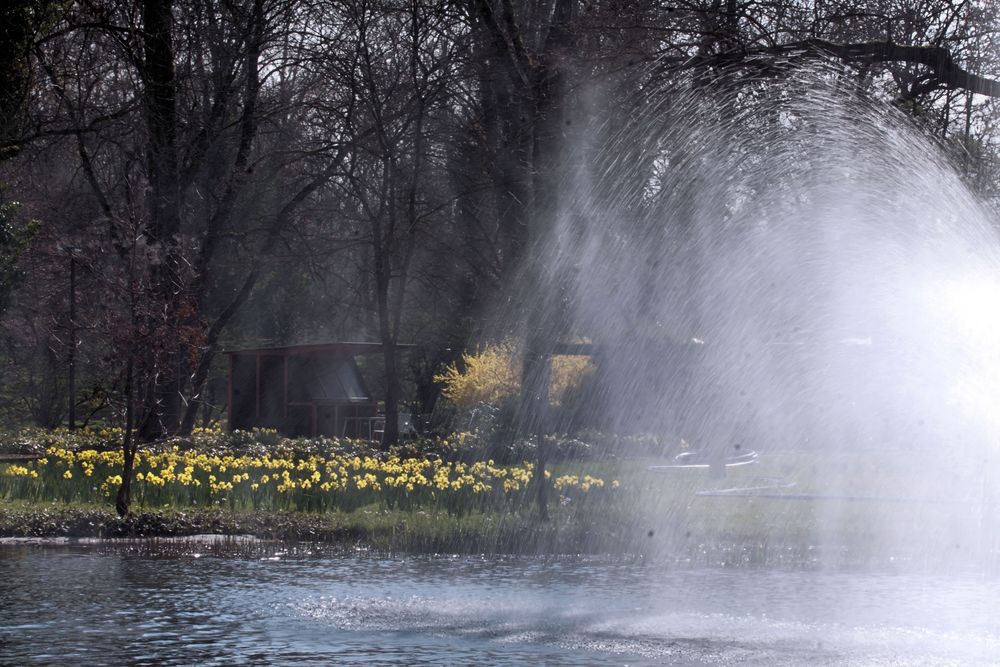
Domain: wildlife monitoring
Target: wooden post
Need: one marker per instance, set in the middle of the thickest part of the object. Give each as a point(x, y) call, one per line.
point(72, 341)
point(229, 393)
point(257, 392)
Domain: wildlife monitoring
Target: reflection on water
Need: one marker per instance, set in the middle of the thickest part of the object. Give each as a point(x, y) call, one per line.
point(94, 605)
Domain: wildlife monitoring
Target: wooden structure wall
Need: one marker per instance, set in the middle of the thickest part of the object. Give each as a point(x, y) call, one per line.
point(303, 390)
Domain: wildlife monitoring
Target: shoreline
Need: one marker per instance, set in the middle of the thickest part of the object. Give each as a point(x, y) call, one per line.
point(410, 531)
point(213, 539)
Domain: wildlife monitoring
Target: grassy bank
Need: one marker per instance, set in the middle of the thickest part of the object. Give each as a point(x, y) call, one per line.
point(699, 533)
point(843, 506)
point(428, 498)
point(414, 531)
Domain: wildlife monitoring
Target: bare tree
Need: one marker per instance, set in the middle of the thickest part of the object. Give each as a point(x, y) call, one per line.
point(399, 64)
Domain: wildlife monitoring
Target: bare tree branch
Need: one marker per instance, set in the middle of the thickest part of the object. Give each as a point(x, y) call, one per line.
point(947, 73)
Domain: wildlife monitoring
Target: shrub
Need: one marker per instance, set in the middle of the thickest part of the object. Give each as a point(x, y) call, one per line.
point(487, 377)
point(493, 376)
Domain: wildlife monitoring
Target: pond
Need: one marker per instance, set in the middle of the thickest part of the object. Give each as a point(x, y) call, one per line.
point(170, 604)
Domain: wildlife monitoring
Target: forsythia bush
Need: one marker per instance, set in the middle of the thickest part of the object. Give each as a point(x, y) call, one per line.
point(494, 374)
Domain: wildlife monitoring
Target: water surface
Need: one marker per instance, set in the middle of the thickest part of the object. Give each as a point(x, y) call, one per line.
point(101, 605)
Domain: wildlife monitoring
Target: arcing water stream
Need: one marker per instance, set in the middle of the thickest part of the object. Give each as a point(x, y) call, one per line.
point(787, 266)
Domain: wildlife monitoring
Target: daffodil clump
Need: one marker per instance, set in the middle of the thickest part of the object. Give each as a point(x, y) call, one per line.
point(176, 477)
point(33, 440)
point(38, 440)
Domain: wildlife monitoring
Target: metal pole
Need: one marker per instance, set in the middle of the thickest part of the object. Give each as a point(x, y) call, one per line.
point(72, 341)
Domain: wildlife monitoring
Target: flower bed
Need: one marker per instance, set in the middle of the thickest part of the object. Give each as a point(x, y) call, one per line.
point(177, 477)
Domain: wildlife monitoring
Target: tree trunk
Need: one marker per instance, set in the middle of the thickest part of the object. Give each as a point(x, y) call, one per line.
point(540, 80)
point(219, 219)
point(123, 499)
point(536, 377)
point(545, 317)
point(211, 347)
point(160, 93)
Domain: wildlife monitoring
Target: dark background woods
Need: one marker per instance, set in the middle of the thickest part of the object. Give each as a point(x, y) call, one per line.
point(182, 176)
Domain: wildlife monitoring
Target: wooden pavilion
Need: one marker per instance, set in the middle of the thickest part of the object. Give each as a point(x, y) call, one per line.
point(303, 390)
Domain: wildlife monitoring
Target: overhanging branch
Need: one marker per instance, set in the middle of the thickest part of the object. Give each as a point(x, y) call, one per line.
point(946, 72)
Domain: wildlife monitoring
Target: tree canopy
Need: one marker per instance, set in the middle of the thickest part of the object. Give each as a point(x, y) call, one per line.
point(280, 171)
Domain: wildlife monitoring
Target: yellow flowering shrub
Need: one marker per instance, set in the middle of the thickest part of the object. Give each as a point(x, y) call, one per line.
point(493, 375)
